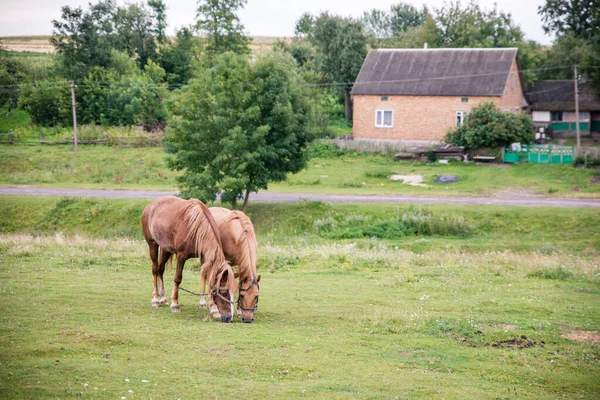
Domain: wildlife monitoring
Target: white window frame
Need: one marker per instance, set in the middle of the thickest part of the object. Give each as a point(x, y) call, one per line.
point(462, 114)
point(382, 112)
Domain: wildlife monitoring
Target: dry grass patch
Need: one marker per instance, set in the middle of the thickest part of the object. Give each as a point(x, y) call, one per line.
point(582, 336)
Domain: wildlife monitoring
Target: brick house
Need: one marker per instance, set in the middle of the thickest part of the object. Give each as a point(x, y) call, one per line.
point(552, 105)
point(417, 95)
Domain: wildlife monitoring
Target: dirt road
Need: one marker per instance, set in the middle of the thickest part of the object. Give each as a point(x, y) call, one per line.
point(289, 197)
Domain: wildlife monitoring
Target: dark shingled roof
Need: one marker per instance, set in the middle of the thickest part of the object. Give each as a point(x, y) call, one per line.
point(560, 96)
point(435, 72)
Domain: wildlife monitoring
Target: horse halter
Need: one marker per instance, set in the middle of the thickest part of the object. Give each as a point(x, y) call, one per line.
point(241, 296)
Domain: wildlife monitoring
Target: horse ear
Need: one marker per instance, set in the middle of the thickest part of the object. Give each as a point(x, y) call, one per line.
point(258, 279)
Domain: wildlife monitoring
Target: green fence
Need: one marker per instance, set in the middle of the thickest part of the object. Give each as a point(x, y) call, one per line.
point(540, 154)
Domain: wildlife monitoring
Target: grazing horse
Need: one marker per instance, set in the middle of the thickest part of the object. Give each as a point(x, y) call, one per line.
point(186, 229)
point(239, 248)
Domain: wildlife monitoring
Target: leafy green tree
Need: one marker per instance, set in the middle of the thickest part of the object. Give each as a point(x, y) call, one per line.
point(124, 95)
point(238, 126)
point(377, 26)
point(304, 25)
point(488, 126)
point(341, 49)
point(218, 20)
point(138, 29)
point(48, 103)
point(566, 51)
point(85, 39)
point(303, 51)
point(404, 16)
point(579, 17)
point(12, 73)
point(415, 38)
point(384, 27)
point(177, 58)
point(472, 26)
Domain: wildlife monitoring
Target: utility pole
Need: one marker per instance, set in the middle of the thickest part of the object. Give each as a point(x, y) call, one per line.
point(75, 115)
point(576, 106)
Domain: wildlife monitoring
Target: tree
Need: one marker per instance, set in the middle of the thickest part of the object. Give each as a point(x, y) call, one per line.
point(218, 20)
point(580, 17)
point(415, 38)
point(566, 51)
point(488, 126)
point(383, 27)
point(178, 57)
point(472, 26)
point(239, 126)
point(304, 25)
point(48, 103)
point(341, 49)
point(404, 16)
point(12, 73)
point(85, 39)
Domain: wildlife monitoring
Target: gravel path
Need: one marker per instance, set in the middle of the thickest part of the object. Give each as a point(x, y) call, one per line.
point(289, 197)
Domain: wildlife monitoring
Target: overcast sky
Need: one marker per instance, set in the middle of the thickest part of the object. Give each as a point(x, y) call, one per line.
point(260, 17)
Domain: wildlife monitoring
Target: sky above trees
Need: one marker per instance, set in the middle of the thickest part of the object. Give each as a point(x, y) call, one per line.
point(259, 17)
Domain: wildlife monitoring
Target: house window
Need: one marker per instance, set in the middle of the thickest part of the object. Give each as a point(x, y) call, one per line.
point(384, 118)
point(464, 99)
point(460, 117)
point(384, 98)
point(556, 116)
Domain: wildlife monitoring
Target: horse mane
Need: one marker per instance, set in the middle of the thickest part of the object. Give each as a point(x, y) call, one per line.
point(245, 246)
point(204, 233)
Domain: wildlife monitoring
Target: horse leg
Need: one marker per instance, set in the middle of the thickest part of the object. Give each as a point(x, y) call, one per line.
point(163, 259)
point(153, 248)
point(176, 281)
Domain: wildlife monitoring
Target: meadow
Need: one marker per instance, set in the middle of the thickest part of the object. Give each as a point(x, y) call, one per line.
point(449, 302)
point(117, 167)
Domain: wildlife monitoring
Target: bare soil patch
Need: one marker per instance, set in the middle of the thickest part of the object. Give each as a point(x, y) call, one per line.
point(582, 336)
point(596, 179)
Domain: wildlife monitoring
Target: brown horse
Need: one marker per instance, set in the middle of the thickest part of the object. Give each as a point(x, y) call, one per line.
point(186, 229)
point(239, 247)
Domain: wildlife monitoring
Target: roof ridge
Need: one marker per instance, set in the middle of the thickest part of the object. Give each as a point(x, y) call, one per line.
point(452, 49)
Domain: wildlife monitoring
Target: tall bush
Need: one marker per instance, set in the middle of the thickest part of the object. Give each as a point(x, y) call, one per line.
point(488, 126)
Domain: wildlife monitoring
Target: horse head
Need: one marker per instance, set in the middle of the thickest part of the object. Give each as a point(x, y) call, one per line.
point(222, 294)
point(248, 297)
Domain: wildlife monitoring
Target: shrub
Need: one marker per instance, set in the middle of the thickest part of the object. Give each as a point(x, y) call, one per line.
point(488, 126)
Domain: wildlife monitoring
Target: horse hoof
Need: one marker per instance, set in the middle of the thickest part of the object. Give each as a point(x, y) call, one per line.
point(175, 309)
point(164, 302)
point(155, 304)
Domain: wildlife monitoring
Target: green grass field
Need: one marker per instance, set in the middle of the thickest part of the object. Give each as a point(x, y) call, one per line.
point(485, 312)
point(145, 168)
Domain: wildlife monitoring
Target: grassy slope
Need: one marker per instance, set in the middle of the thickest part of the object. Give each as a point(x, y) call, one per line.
point(112, 167)
point(493, 228)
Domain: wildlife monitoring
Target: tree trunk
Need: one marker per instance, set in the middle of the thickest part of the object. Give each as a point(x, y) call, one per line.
point(246, 197)
point(234, 203)
point(348, 105)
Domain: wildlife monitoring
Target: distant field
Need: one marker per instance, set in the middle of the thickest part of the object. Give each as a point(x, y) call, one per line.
point(41, 44)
